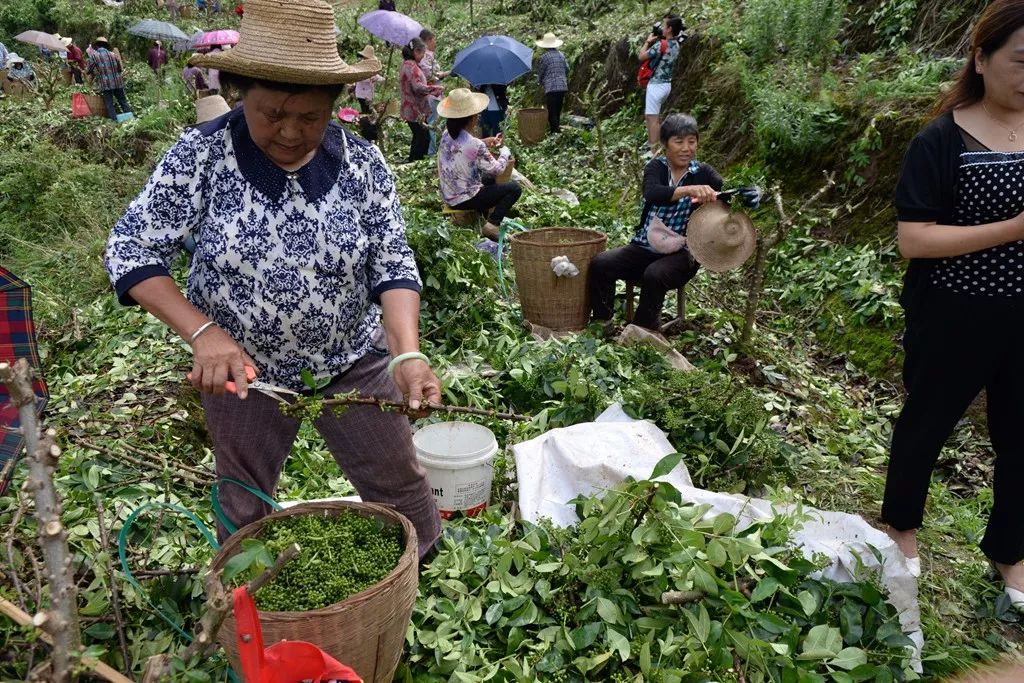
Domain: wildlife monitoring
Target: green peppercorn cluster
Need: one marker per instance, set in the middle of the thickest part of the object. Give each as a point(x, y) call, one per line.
point(340, 556)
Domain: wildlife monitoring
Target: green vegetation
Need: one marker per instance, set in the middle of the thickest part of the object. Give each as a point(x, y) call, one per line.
point(339, 555)
point(515, 601)
point(803, 416)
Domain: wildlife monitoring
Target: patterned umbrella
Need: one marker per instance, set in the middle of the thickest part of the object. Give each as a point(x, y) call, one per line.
point(493, 59)
point(157, 30)
point(394, 27)
point(221, 37)
point(17, 340)
point(47, 41)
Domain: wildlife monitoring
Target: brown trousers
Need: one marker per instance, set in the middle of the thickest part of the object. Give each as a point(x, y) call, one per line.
point(252, 439)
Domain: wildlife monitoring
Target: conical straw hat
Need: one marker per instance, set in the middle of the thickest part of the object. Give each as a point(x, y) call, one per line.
point(549, 40)
point(288, 41)
point(719, 239)
point(461, 103)
point(209, 108)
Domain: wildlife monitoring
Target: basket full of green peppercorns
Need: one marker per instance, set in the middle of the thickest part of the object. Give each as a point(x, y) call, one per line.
point(349, 591)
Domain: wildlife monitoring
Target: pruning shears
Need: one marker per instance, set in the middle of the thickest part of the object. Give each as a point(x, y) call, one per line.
point(271, 390)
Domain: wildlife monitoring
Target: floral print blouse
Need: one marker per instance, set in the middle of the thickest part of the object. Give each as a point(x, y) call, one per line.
point(463, 162)
point(290, 264)
point(416, 92)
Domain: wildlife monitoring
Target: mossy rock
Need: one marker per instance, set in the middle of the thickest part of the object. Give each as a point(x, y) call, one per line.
point(874, 349)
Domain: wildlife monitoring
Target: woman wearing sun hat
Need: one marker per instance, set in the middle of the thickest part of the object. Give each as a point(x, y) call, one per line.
point(301, 266)
point(552, 73)
point(663, 254)
point(364, 90)
point(466, 165)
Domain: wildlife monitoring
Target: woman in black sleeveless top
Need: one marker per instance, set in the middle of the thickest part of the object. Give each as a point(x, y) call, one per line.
point(959, 203)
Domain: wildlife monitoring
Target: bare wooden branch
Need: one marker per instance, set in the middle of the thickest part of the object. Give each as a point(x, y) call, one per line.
point(286, 556)
point(424, 409)
point(22, 618)
point(764, 244)
point(12, 530)
point(115, 591)
point(62, 618)
point(182, 473)
point(681, 597)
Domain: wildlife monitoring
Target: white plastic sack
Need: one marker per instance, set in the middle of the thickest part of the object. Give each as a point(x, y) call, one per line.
point(588, 458)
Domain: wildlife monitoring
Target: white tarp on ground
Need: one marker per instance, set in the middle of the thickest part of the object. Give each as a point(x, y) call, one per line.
point(588, 458)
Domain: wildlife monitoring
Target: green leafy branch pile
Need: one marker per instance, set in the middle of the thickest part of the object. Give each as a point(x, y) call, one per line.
point(340, 556)
point(513, 601)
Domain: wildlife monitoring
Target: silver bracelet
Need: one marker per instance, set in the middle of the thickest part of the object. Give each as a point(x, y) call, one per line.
point(202, 328)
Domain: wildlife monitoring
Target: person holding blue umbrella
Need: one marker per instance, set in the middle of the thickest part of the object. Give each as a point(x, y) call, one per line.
point(553, 75)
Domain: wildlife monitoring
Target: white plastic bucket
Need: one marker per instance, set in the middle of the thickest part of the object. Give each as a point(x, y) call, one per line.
point(459, 460)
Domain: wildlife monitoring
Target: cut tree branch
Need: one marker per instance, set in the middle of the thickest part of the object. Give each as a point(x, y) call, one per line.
point(423, 410)
point(61, 621)
point(22, 618)
point(115, 592)
point(219, 603)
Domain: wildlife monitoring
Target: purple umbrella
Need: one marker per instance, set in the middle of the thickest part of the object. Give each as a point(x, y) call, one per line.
point(221, 37)
point(394, 27)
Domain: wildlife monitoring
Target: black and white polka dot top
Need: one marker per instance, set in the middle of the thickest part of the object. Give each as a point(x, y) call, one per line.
point(990, 189)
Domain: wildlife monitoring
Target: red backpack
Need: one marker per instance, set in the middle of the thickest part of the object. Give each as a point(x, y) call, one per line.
point(643, 76)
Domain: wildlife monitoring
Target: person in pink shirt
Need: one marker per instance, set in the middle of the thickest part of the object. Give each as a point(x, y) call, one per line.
point(365, 89)
point(416, 94)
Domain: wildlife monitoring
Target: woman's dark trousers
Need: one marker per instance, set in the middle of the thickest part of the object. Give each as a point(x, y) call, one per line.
point(108, 99)
point(554, 101)
point(499, 196)
point(956, 346)
point(420, 141)
point(656, 273)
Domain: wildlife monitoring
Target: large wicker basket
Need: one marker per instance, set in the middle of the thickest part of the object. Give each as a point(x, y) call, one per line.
point(558, 303)
point(533, 125)
point(365, 631)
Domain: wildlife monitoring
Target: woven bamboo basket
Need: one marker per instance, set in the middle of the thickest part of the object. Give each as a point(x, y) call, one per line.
point(558, 303)
point(367, 630)
point(533, 125)
point(96, 104)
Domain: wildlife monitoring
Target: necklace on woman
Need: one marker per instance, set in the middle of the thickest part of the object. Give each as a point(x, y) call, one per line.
point(1012, 137)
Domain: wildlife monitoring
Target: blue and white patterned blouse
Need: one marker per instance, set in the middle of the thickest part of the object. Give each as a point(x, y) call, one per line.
point(291, 265)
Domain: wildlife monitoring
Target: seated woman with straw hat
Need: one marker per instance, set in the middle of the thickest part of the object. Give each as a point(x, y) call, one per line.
point(664, 255)
point(466, 165)
point(301, 268)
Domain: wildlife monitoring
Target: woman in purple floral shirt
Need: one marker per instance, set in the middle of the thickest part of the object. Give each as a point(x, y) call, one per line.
point(468, 168)
point(416, 94)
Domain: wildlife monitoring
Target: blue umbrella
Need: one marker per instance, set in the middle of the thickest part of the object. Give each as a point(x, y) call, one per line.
point(493, 59)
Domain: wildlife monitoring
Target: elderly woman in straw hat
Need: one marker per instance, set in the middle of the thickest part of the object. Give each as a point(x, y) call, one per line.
point(301, 267)
point(552, 71)
point(662, 256)
point(468, 168)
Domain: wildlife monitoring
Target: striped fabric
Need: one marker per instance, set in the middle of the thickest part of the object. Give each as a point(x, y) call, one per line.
point(17, 340)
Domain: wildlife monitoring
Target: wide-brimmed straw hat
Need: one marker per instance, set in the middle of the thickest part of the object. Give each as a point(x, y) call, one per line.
point(549, 40)
point(367, 53)
point(720, 239)
point(99, 40)
point(288, 42)
point(15, 57)
point(462, 102)
point(65, 40)
point(209, 108)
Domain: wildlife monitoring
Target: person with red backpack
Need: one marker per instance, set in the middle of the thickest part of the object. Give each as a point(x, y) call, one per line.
point(657, 63)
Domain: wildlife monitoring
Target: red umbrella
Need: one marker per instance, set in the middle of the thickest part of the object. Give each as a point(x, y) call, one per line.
point(17, 340)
